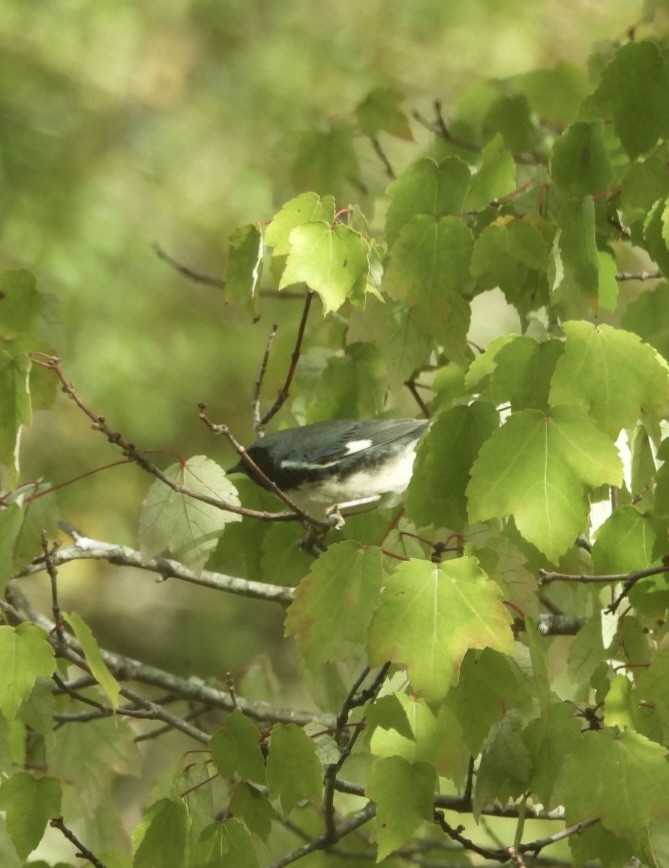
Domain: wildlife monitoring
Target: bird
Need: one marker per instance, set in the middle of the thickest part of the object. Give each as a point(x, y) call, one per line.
point(338, 464)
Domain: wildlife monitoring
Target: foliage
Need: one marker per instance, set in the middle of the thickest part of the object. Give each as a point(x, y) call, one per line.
point(497, 649)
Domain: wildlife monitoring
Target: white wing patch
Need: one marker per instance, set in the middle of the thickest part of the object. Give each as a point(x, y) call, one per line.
point(357, 446)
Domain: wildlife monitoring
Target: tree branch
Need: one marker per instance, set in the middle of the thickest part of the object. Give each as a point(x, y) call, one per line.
point(85, 549)
point(190, 689)
point(547, 576)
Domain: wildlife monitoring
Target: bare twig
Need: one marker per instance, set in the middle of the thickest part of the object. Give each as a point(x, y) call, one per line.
point(257, 422)
point(412, 386)
point(195, 276)
point(50, 566)
point(82, 852)
point(261, 476)
point(381, 154)
point(547, 576)
point(130, 451)
point(354, 698)
point(655, 274)
point(349, 825)
point(19, 610)
point(463, 806)
point(284, 391)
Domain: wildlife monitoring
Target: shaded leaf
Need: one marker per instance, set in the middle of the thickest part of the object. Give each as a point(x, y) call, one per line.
point(235, 748)
point(293, 770)
point(426, 188)
point(580, 162)
point(495, 178)
point(446, 455)
point(345, 582)
point(621, 778)
point(175, 523)
point(15, 409)
point(245, 260)
point(226, 843)
point(162, 837)
point(403, 794)
point(380, 112)
point(636, 68)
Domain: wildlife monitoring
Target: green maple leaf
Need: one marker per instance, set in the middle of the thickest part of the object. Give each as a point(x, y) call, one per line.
point(404, 794)
point(345, 582)
point(622, 779)
point(427, 188)
point(305, 208)
point(293, 770)
point(537, 467)
point(447, 454)
point(611, 374)
point(187, 528)
point(331, 260)
point(431, 614)
point(637, 68)
point(380, 111)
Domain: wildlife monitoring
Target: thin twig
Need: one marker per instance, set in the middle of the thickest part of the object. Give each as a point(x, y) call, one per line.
point(86, 549)
point(353, 699)
point(381, 154)
point(547, 576)
point(261, 476)
point(349, 825)
point(82, 852)
point(195, 276)
point(50, 566)
point(412, 386)
point(129, 450)
point(284, 391)
point(19, 610)
point(257, 422)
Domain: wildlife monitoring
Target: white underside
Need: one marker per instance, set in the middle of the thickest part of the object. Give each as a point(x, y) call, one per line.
point(366, 486)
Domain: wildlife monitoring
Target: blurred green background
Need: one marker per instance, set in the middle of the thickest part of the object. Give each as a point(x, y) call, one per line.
point(130, 123)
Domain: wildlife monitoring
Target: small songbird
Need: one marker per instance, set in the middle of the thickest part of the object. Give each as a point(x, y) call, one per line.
point(344, 463)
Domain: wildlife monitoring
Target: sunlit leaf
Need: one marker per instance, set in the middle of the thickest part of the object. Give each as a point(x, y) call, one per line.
point(430, 614)
point(610, 374)
point(538, 468)
point(305, 208)
point(330, 260)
